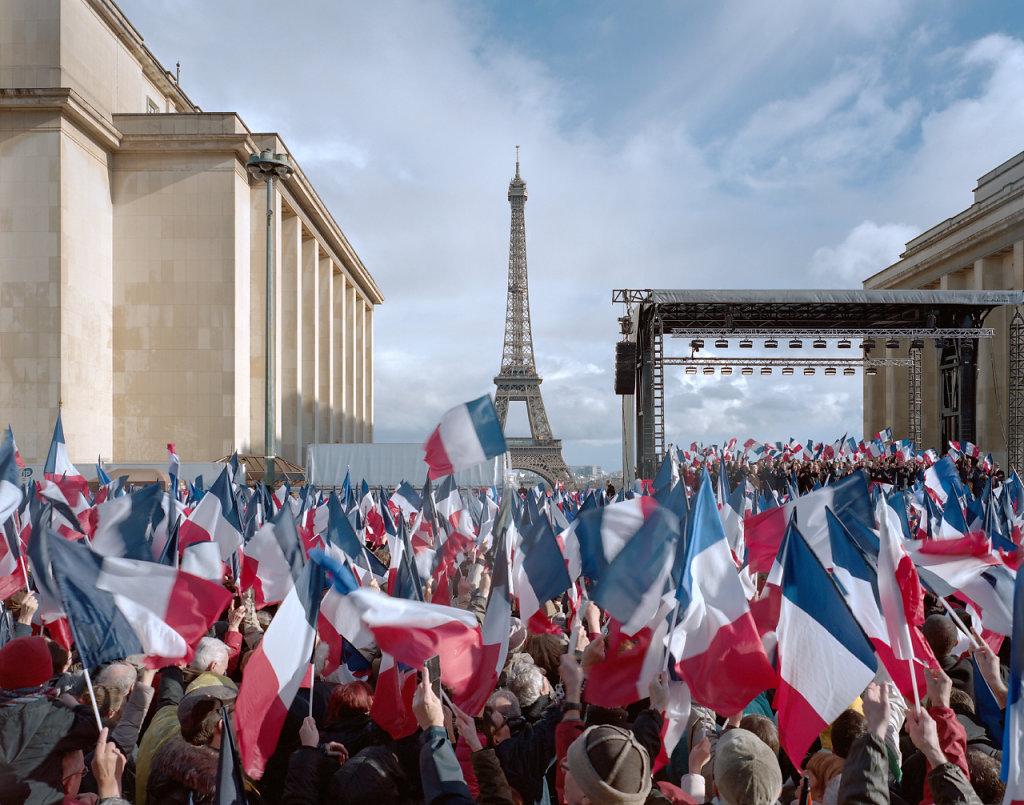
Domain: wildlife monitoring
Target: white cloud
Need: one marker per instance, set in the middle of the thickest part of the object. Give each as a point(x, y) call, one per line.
point(688, 145)
point(866, 250)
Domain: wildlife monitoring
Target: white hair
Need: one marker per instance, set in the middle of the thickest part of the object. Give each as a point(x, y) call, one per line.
point(524, 679)
point(209, 651)
point(120, 675)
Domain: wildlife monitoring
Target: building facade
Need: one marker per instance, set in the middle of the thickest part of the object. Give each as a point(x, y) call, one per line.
point(133, 261)
point(981, 248)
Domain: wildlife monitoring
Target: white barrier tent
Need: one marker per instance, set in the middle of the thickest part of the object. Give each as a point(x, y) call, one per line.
point(385, 465)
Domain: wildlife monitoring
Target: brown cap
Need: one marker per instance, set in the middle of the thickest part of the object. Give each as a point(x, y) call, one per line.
point(610, 766)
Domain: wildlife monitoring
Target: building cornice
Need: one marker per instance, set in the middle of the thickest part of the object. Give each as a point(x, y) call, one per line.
point(982, 229)
point(226, 132)
point(315, 208)
point(67, 103)
point(132, 39)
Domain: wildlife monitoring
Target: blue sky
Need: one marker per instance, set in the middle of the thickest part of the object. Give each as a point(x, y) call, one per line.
point(676, 144)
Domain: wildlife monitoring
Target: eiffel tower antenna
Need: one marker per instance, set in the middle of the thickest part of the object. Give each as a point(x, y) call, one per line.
point(518, 381)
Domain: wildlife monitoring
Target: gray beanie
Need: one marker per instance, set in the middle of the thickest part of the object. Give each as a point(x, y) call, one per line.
point(746, 770)
point(610, 766)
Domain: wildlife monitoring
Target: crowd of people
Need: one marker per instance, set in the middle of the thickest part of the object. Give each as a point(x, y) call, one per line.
point(535, 741)
point(779, 475)
point(129, 732)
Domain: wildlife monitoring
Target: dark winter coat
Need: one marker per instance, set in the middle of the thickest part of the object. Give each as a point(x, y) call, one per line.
point(180, 769)
point(35, 732)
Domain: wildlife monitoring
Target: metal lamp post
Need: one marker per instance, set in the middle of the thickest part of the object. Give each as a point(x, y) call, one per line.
point(265, 166)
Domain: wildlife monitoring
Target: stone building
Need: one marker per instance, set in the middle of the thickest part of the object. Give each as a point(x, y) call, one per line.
point(133, 254)
point(981, 248)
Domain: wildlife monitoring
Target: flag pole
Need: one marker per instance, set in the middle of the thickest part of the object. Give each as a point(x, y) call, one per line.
point(577, 624)
point(958, 621)
point(85, 667)
point(312, 678)
point(92, 698)
point(671, 628)
point(913, 684)
point(28, 585)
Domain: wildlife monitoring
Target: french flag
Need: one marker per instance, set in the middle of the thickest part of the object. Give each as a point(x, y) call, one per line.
point(272, 560)
point(467, 435)
point(715, 643)
point(498, 615)
point(631, 662)
point(1012, 771)
point(825, 660)
point(632, 586)
point(276, 671)
point(169, 610)
point(898, 584)
point(942, 479)
point(392, 699)
point(124, 524)
point(413, 631)
point(58, 466)
point(10, 485)
point(540, 573)
point(858, 578)
point(848, 499)
point(214, 519)
point(12, 576)
point(602, 532)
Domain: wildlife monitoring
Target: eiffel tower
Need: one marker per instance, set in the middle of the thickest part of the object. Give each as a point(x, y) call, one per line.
point(518, 380)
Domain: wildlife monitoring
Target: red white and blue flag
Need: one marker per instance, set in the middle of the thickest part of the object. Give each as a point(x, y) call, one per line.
point(848, 499)
point(58, 466)
point(214, 519)
point(276, 671)
point(413, 631)
point(467, 435)
point(825, 660)
point(169, 610)
point(715, 644)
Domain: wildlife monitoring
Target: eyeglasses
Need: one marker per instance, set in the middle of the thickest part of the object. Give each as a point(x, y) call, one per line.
point(84, 772)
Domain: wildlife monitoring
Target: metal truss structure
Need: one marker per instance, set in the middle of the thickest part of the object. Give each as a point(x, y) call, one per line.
point(1015, 389)
point(857, 363)
point(952, 320)
point(833, 335)
point(914, 399)
point(518, 380)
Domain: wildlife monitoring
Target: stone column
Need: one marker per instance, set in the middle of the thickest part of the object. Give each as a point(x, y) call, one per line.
point(308, 341)
point(341, 358)
point(244, 270)
point(351, 298)
point(289, 325)
point(368, 374)
point(324, 345)
point(257, 313)
point(359, 348)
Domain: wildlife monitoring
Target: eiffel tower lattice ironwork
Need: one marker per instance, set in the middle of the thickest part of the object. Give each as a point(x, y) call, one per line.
point(518, 380)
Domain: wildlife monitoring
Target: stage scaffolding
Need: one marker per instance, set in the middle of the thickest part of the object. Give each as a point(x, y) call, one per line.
point(866, 322)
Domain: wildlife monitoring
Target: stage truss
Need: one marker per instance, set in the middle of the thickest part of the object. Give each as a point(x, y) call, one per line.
point(866, 322)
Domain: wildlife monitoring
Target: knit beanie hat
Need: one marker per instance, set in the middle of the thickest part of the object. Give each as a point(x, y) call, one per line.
point(746, 770)
point(25, 663)
point(610, 766)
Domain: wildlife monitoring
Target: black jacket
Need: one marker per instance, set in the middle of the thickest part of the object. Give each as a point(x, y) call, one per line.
point(525, 756)
point(35, 732)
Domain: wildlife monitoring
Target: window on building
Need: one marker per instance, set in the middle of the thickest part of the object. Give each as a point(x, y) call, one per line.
point(151, 107)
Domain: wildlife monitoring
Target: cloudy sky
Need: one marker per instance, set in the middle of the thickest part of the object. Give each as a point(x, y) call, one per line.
point(792, 144)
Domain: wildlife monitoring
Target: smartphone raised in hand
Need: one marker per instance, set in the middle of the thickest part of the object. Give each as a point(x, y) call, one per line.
point(433, 669)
